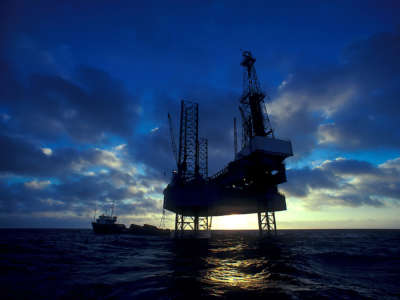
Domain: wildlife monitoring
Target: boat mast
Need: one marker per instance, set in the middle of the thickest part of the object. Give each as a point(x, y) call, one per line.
point(95, 212)
point(112, 208)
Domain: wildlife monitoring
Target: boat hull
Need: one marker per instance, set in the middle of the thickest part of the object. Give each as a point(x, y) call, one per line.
point(108, 228)
point(191, 235)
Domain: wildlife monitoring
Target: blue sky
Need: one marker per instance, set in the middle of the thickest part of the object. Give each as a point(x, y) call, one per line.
point(85, 89)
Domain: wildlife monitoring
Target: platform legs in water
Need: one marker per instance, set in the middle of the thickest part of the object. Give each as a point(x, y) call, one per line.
point(266, 223)
point(192, 226)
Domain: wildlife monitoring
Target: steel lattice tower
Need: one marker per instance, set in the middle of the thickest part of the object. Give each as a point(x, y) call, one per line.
point(188, 141)
point(255, 120)
point(203, 157)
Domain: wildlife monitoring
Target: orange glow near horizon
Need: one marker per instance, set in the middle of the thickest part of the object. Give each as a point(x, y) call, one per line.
point(248, 221)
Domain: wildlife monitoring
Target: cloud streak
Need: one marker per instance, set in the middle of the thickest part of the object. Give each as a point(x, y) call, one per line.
point(346, 182)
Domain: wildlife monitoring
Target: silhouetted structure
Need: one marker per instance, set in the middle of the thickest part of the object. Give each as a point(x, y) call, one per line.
point(248, 184)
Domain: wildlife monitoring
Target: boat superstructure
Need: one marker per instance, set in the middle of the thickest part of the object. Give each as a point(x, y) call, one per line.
point(107, 223)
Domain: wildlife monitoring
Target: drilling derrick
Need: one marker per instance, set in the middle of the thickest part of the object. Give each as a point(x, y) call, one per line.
point(254, 115)
point(188, 155)
point(248, 184)
point(184, 194)
point(203, 157)
point(262, 155)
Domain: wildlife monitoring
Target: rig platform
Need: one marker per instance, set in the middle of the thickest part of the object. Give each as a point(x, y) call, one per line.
point(248, 184)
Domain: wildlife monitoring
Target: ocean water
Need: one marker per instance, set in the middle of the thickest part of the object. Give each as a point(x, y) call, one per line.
point(297, 264)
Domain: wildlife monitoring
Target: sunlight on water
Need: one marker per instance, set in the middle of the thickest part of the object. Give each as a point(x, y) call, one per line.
point(236, 274)
point(225, 274)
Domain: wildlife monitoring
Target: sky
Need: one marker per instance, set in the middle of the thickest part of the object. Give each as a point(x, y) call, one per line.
point(86, 86)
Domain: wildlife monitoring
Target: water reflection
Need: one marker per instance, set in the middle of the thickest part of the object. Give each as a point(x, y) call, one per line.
point(223, 266)
point(247, 274)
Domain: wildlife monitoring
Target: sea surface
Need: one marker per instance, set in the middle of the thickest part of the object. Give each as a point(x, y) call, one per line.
point(297, 264)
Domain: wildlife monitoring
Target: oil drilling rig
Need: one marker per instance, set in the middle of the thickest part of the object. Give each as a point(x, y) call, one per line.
point(248, 184)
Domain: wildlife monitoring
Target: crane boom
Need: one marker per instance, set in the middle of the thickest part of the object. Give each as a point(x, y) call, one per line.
point(173, 144)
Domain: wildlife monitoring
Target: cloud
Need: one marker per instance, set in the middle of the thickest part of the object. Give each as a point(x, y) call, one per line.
point(19, 156)
point(47, 151)
point(349, 105)
point(22, 157)
point(80, 195)
point(346, 182)
point(38, 185)
point(77, 140)
point(77, 119)
point(85, 108)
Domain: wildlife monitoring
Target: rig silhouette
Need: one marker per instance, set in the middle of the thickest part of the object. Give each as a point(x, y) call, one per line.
point(248, 184)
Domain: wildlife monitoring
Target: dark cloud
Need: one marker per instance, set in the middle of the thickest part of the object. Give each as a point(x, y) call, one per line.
point(68, 113)
point(21, 157)
point(351, 105)
point(350, 167)
point(346, 182)
point(79, 195)
point(300, 181)
point(83, 109)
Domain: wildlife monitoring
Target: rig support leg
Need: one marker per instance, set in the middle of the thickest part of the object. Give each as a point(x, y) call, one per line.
point(266, 222)
point(196, 223)
point(191, 224)
point(260, 226)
